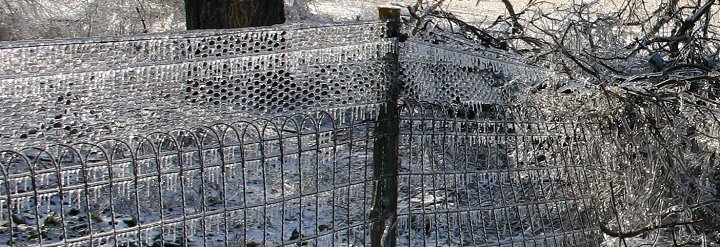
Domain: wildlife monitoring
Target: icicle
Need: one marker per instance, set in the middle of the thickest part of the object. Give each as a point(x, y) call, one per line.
point(215, 175)
point(42, 180)
point(124, 189)
point(188, 159)
point(21, 204)
point(191, 229)
point(172, 183)
point(78, 177)
point(189, 182)
point(27, 184)
point(95, 192)
point(45, 202)
point(209, 156)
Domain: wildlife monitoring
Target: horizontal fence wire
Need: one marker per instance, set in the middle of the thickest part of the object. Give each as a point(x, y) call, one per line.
point(300, 179)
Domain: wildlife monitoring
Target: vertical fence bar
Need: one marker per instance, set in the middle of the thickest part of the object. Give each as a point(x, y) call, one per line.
point(385, 149)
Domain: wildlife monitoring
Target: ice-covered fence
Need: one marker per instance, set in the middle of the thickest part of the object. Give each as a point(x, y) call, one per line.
point(503, 176)
point(517, 176)
point(81, 54)
point(442, 74)
point(103, 144)
point(301, 178)
point(87, 89)
point(498, 178)
point(474, 173)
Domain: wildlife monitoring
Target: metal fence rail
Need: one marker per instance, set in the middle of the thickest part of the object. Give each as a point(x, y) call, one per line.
point(306, 179)
point(122, 175)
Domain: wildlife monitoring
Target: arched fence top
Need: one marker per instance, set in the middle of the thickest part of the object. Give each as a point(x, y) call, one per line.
point(181, 139)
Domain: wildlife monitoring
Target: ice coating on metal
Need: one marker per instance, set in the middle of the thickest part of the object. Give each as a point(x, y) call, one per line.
point(86, 90)
point(79, 54)
point(436, 74)
point(243, 183)
point(272, 145)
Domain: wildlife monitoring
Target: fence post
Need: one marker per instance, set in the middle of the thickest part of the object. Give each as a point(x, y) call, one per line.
point(385, 147)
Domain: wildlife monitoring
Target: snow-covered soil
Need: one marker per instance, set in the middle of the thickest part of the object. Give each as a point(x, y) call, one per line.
point(471, 11)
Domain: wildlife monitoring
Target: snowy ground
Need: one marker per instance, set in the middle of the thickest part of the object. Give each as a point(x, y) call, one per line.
point(471, 11)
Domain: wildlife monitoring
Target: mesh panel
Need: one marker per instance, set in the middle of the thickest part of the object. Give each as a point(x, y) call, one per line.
point(441, 75)
point(480, 175)
point(293, 180)
point(53, 56)
point(199, 80)
point(497, 178)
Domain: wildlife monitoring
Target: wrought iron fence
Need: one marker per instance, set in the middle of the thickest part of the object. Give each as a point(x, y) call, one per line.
point(335, 135)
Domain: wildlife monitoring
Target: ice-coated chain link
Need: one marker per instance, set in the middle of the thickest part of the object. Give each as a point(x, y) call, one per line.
point(439, 74)
point(79, 54)
point(88, 89)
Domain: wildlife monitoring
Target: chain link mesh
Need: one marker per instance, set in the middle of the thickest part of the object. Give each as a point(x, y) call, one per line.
point(88, 89)
point(448, 75)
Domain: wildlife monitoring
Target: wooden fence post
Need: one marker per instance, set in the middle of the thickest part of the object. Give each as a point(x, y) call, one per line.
point(385, 147)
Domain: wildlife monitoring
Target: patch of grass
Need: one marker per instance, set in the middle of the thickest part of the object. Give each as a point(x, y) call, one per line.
point(96, 218)
point(50, 221)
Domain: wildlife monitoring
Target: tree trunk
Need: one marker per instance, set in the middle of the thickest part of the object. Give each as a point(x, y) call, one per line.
point(206, 14)
point(220, 14)
point(254, 13)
